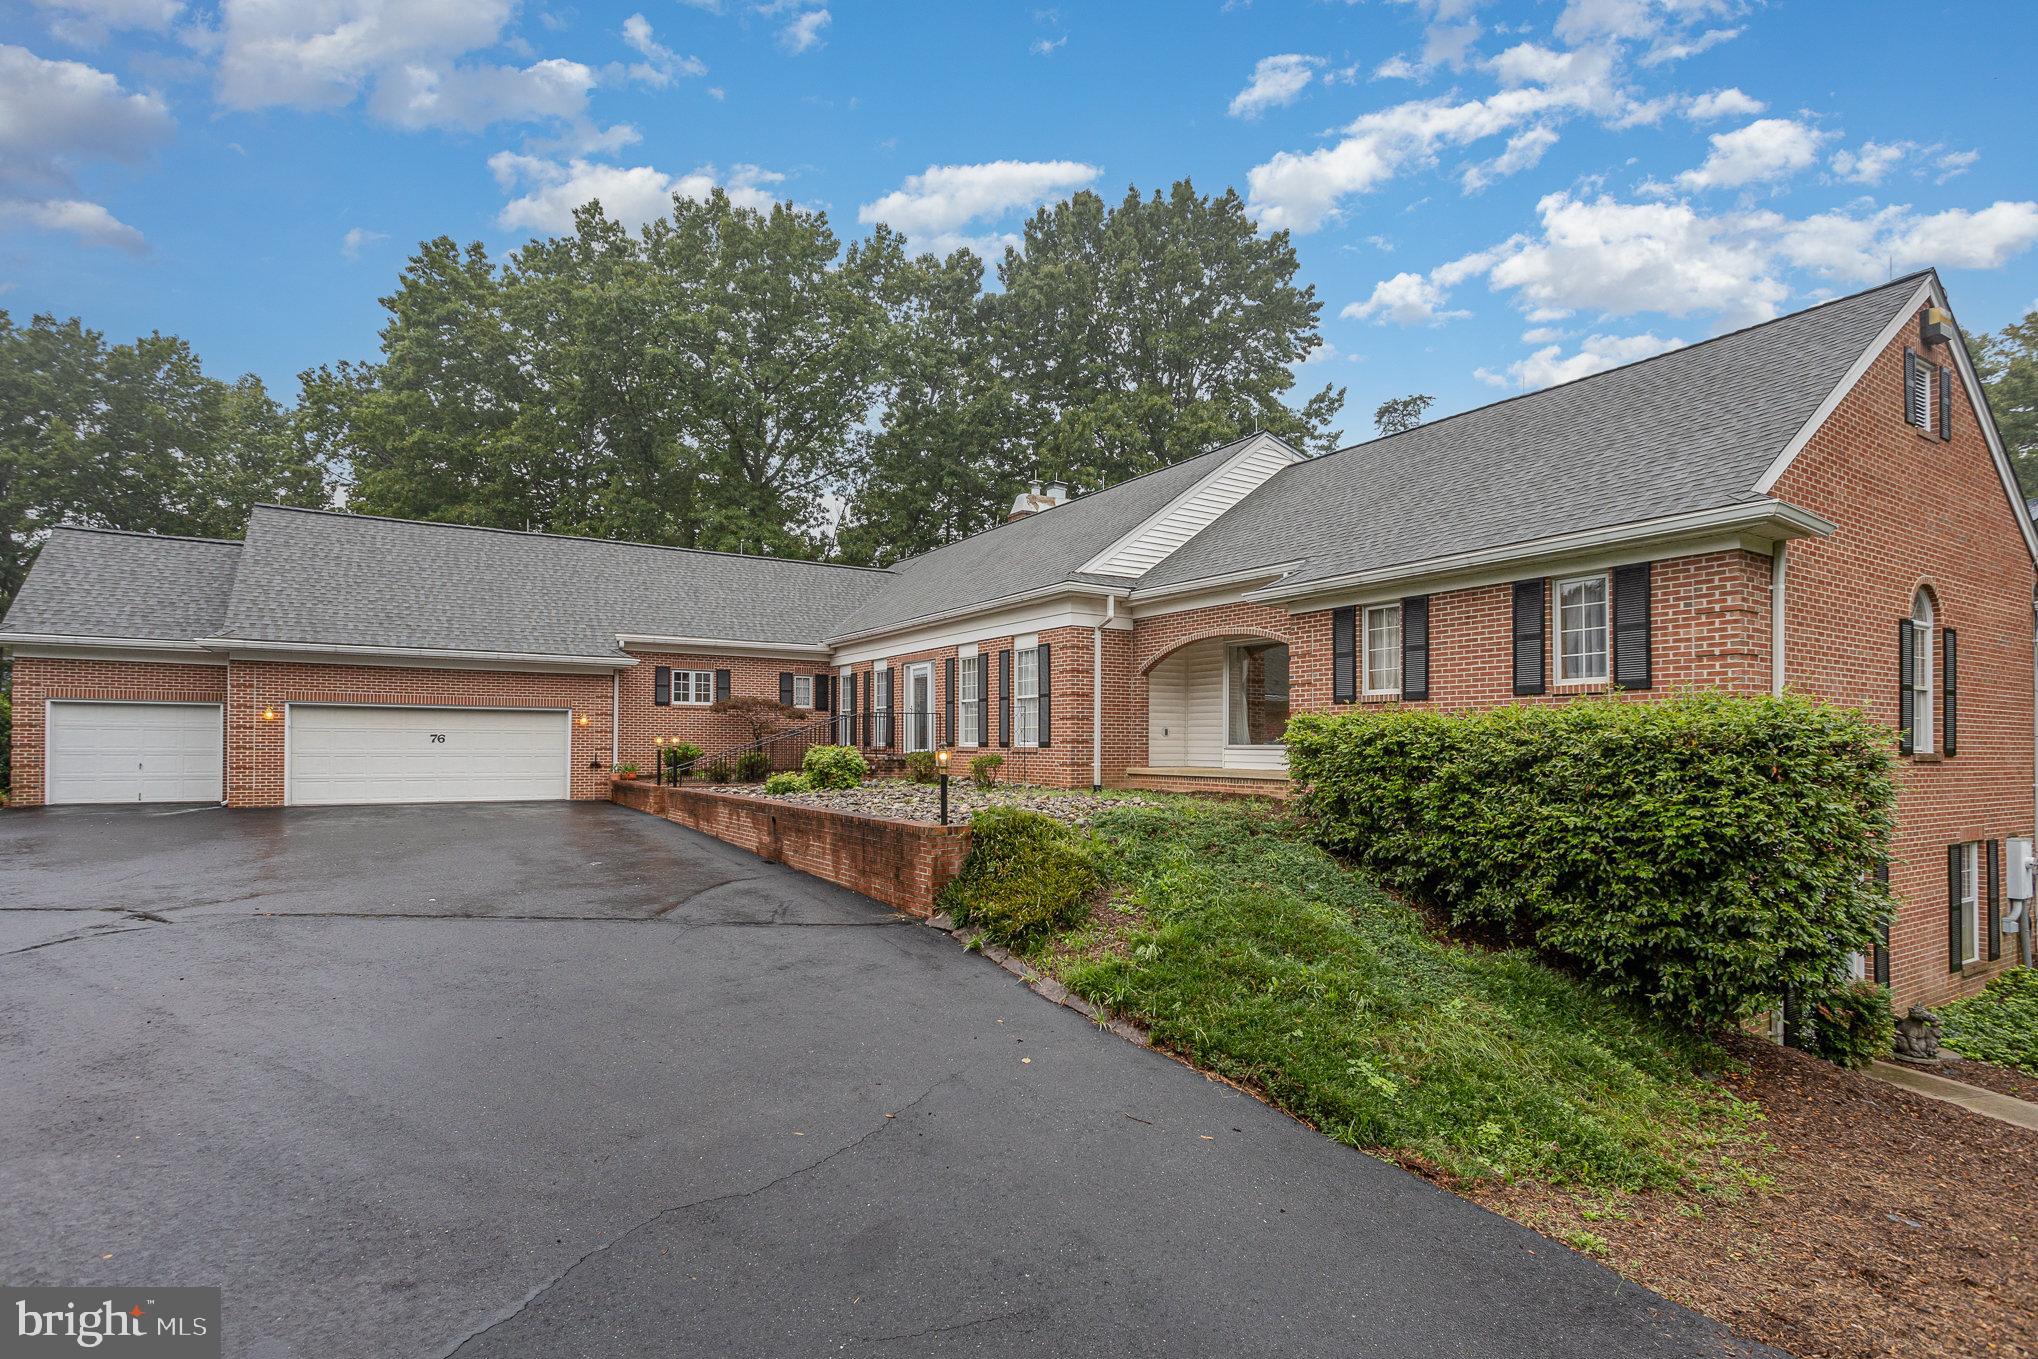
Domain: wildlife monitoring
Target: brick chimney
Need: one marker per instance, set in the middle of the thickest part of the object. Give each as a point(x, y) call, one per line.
point(1037, 498)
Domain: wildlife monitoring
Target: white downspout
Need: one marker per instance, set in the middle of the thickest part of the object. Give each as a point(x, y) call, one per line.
point(1779, 570)
point(1097, 695)
point(615, 719)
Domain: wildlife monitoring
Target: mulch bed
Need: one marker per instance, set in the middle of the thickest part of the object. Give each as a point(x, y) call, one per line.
point(903, 800)
point(1896, 1225)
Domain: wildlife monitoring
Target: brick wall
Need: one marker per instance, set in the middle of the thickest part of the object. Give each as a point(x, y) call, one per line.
point(900, 863)
point(37, 680)
point(643, 720)
point(254, 764)
point(1913, 511)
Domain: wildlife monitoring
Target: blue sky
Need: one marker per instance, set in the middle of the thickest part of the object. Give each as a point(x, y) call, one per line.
point(1486, 195)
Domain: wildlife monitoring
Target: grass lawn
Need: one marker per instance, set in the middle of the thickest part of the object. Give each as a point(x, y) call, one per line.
point(1806, 1206)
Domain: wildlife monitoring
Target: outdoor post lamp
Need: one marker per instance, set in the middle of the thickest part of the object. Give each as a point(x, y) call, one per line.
point(658, 769)
point(941, 763)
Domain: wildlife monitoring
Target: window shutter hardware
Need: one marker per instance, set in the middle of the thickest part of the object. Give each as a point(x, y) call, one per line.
point(1632, 602)
point(661, 686)
point(1949, 675)
point(1917, 399)
point(1344, 667)
point(1529, 651)
point(1415, 648)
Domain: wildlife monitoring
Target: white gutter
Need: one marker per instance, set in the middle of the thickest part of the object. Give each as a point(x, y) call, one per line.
point(412, 652)
point(722, 645)
point(1792, 521)
point(1205, 583)
point(615, 719)
point(122, 643)
point(1084, 588)
point(1779, 570)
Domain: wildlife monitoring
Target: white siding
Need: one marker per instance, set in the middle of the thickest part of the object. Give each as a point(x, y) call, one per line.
point(1185, 698)
point(1193, 511)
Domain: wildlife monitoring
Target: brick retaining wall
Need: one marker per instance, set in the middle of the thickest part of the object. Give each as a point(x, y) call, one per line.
point(900, 863)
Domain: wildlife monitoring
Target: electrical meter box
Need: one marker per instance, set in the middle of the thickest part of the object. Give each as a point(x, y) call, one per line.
point(2018, 867)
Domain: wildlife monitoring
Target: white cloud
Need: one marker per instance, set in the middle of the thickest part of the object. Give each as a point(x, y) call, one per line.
point(1955, 163)
point(1276, 81)
point(51, 111)
point(356, 237)
point(661, 64)
point(87, 22)
point(632, 195)
point(1669, 28)
point(1960, 239)
point(89, 222)
point(473, 97)
point(1542, 334)
point(1677, 49)
point(1524, 151)
point(1397, 68)
point(931, 207)
point(1597, 353)
point(1766, 149)
point(804, 32)
point(1727, 103)
point(1407, 299)
point(1869, 164)
point(1045, 47)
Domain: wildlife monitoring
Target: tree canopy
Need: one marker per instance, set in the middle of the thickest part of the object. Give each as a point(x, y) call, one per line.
point(2007, 363)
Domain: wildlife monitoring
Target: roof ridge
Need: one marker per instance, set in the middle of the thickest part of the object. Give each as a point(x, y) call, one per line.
point(1633, 363)
point(147, 533)
point(568, 537)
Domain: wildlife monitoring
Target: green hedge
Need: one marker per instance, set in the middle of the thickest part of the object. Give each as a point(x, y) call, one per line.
point(1705, 853)
point(1027, 876)
point(834, 766)
point(2000, 1024)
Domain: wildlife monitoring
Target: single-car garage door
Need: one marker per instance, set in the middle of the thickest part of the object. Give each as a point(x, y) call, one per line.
point(393, 754)
point(134, 752)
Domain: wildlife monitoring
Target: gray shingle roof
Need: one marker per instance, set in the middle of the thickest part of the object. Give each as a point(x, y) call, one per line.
point(1692, 429)
point(90, 582)
point(1041, 550)
point(355, 580)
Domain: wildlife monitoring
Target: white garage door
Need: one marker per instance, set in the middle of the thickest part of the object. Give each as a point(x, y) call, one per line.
point(390, 754)
point(134, 752)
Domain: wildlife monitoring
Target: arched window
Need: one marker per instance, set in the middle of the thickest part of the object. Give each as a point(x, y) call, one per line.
point(1922, 736)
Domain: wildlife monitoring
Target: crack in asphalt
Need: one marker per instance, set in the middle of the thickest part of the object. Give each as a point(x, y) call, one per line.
point(535, 1295)
point(944, 1330)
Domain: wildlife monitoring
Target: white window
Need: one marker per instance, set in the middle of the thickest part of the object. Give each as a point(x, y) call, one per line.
point(1383, 649)
point(881, 708)
point(970, 701)
point(1970, 903)
point(693, 686)
point(1922, 734)
point(1026, 690)
point(1918, 397)
point(803, 691)
point(1256, 693)
point(1581, 630)
point(845, 716)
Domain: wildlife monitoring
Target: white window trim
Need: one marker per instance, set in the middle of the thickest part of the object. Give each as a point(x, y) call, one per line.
point(693, 686)
point(1970, 902)
point(1025, 706)
point(806, 682)
point(969, 701)
point(1366, 652)
point(1605, 580)
point(1925, 675)
point(1228, 689)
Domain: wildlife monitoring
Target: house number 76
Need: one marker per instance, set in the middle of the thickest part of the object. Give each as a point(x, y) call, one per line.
point(438, 738)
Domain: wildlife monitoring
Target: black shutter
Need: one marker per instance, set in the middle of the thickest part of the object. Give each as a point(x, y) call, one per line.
point(1415, 647)
point(1907, 697)
point(1046, 703)
point(1945, 402)
point(661, 686)
point(983, 664)
point(1949, 689)
point(824, 693)
point(722, 687)
point(1995, 901)
point(869, 698)
point(1528, 637)
point(1953, 949)
point(1344, 667)
point(948, 687)
point(785, 687)
point(1631, 601)
point(1004, 698)
point(1910, 385)
point(1882, 942)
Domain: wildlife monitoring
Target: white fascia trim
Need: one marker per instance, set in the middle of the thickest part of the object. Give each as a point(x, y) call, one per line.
point(254, 648)
point(1207, 584)
point(18, 639)
point(1779, 519)
point(722, 646)
point(1854, 372)
point(1139, 530)
point(1081, 589)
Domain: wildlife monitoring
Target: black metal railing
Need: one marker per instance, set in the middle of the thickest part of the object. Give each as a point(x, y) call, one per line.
point(878, 734)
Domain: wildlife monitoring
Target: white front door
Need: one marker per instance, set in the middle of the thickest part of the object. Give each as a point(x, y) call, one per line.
point(920, 706)
point(393, 754)
point(134, 752)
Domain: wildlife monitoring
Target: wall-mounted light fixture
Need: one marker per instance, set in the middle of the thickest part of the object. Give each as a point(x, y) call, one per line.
point(581, 720)
point(268, 714)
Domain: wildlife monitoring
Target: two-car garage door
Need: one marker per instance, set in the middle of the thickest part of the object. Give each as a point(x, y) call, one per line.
point(379, 753)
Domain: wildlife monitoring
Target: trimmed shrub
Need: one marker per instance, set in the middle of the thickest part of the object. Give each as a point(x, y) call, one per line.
point(718, 771)
point(752, 765)
point(1849, 1025)
point(834, 766)
point(788, 782)
point(1026, 877)
point(921, 766)
point(1705, 854)
point(681, 753)
point(2000, 1024)
point(983, 769)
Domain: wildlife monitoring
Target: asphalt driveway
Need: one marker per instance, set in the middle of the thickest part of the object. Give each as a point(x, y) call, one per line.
point(573, 1081)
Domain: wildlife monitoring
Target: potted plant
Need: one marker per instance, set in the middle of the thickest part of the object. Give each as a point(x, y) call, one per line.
point(626, 772)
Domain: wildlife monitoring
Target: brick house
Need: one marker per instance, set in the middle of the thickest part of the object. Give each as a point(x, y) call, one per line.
point(1819, 502)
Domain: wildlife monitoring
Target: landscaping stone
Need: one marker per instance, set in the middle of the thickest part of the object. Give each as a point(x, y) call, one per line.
point(903, 800)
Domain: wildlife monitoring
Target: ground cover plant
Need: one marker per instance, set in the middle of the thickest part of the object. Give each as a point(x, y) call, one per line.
point(1999, 1025)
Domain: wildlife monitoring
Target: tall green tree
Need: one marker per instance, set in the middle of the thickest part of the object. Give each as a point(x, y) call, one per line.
point(1136, 336)
point(133, 436)
point(1399, 414)
point(2007, 363)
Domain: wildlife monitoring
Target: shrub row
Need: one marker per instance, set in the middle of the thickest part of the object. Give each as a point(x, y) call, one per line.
point(1705, 854)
